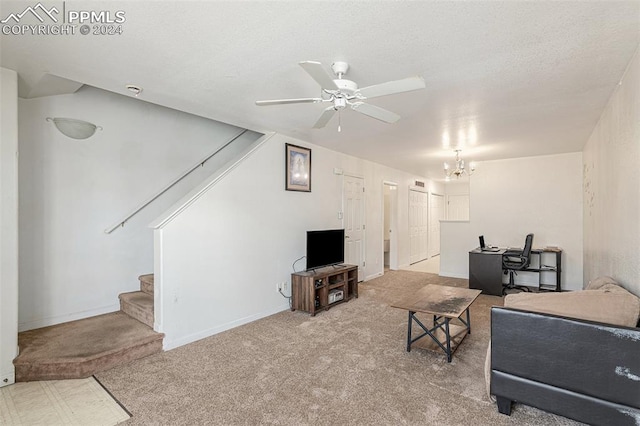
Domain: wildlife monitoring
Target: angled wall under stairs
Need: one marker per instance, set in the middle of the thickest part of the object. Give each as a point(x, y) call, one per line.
point(81, 348)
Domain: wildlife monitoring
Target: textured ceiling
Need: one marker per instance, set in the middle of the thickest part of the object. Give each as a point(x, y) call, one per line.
point(504, 79)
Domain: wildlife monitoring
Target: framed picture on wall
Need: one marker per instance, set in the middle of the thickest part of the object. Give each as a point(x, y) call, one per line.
point(298, 168)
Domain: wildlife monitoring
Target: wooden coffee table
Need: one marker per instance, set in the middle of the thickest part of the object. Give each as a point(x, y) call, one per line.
point(445, 304)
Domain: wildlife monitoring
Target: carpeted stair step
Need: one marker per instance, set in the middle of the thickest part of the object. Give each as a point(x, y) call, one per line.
point(146, 283)
point(79, 349)
point(138, 305)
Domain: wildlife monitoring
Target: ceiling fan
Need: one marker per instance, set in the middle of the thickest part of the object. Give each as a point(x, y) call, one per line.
point(340, 92)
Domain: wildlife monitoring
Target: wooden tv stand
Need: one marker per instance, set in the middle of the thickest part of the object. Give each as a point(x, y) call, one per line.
point(310, 290)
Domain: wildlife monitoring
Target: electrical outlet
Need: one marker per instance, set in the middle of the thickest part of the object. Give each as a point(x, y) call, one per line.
point(278, 287)
point(285, 287)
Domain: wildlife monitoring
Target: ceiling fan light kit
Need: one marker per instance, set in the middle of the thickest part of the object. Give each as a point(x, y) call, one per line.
point(341, 92)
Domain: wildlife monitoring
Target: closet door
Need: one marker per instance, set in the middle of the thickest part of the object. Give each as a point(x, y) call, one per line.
point(418, 226)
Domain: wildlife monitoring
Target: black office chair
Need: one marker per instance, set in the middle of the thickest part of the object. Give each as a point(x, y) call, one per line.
point(517, 260)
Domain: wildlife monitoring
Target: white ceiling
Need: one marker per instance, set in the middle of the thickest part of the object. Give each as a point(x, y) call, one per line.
point(529, 78)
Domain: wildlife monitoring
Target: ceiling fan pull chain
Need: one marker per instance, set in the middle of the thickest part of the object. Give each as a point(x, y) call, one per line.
point(339, 121)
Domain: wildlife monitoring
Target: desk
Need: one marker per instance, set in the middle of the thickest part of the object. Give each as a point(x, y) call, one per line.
point(485, 270)
point(444, 303)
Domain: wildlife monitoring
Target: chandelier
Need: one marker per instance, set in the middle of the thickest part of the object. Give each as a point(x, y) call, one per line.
point(459, 169)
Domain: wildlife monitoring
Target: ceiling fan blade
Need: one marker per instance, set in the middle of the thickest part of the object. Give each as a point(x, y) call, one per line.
point(392, 87)
point(319, 74)
point(289, 101)
point(375, 112)
point(324, 118)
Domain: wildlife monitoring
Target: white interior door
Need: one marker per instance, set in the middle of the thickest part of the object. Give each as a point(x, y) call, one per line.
point(458, 207)
point(418, 226)
point(353, 221)
point(436, 214)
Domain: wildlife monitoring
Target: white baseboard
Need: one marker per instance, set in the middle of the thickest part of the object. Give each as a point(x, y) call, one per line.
point(169, 344)
point(453, 275)
point(370, 277)
point(59, 319)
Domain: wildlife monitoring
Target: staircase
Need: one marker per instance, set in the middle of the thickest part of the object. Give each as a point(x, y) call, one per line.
point(139, 304)
point(78, 349)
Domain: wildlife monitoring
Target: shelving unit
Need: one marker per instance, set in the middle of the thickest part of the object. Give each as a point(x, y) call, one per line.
point(311, 290)
point(547, 264)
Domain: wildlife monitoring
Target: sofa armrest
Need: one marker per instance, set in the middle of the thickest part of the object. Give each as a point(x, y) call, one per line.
point(590, 358)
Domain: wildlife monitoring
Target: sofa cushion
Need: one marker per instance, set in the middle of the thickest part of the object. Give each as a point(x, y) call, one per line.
point(610, 304)
point(600, 282)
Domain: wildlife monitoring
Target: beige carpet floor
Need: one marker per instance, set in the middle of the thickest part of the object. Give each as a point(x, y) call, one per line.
point(346, 366)
point(77, 349)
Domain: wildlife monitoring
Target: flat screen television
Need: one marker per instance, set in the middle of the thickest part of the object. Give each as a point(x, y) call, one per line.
point(325, 248)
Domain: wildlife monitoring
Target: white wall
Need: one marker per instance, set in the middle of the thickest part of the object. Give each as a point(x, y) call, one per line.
point(456, 239)
point(456, 188)
point(457, 200)
point(612, 187)
point(222, 257)
point(72, 190)
point(8, 224)
point(511, 198)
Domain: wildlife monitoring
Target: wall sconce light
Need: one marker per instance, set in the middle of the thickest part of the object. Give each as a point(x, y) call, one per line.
point(75, 129)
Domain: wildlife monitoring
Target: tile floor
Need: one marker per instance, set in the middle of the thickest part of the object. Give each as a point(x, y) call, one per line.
point(59, 402)
point(431, 265)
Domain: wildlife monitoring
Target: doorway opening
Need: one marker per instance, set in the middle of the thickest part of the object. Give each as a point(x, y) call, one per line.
point(390, 228)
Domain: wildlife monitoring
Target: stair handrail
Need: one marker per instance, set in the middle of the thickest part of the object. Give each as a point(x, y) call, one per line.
point(201, 163)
